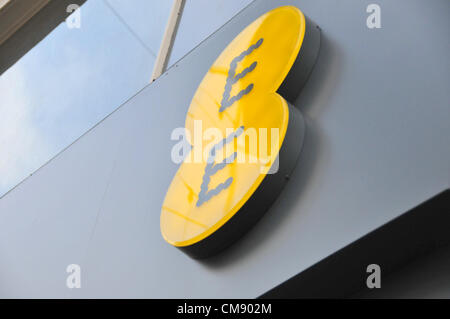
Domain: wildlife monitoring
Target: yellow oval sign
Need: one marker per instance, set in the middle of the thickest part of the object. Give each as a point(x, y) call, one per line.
point(237, 124)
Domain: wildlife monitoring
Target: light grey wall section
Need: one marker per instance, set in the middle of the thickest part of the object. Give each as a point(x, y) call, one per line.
point(377, 145)
point(47, 221)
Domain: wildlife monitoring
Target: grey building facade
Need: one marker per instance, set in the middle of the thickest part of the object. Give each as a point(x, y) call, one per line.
point(376, 148)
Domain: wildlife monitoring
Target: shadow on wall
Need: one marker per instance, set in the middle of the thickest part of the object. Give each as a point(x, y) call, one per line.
point(315, 95)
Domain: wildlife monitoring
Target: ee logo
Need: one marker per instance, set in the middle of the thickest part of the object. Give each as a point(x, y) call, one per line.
point(213, 201)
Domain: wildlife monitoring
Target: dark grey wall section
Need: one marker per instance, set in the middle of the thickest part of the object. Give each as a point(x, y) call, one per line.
point(377, 141)
point(426, 277)
point(403, 240)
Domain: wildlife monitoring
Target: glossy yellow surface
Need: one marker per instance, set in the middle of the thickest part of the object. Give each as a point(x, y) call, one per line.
point(184, 223)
